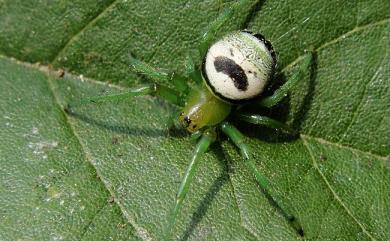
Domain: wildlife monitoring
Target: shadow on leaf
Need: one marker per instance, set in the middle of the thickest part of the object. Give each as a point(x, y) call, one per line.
point(128, 130)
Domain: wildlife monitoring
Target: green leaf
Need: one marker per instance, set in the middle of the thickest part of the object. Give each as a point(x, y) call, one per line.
point(111, 171)
point(48, 190)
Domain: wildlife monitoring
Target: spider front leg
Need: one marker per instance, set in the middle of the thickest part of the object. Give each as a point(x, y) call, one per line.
point(206, 139)
point(160, 77)
point(238, 139)
point(212, 29)
point(192, 72)
point(290, 83)
point(148, 89)
point(155, 89)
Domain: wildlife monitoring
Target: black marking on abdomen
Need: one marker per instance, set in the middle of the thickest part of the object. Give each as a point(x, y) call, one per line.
point(233, 70)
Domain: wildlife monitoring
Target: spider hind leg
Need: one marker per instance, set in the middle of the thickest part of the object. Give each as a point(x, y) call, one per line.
point(265, 121)
point(282, 92)
point(238, 139)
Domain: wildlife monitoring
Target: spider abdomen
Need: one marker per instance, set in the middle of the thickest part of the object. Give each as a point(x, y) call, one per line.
point(238, 67)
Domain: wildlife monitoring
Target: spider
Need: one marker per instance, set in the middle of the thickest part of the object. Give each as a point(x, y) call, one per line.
point(232, 72)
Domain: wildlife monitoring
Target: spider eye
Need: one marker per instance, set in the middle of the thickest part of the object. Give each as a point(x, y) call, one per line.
point(238, 67)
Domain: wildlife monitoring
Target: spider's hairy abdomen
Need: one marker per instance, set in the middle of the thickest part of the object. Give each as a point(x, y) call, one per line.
point(238, 67)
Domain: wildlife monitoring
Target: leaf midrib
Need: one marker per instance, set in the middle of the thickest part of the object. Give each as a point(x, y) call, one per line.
point(88, 157)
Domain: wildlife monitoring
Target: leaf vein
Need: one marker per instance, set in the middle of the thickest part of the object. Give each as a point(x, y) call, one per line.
point(361, 102)
point(85, 229)
point(89, 158)
point(352, 149)
point(335, 195)
point(337, 39)
point(164, 40)
point(82, 30)
point(159, 45)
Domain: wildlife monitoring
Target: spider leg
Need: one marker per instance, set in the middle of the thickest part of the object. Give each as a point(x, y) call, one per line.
point(207, 138)
point(263, 120)
point(147, 89)
point(160, 77)
point(290, 83)
point(192, 72)
point(238, 139)
point(196, 135)
point(212, 30)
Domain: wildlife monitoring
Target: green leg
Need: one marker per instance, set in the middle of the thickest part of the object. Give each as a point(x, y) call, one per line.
point(263, 120)
point(147, 70)
point(238, 139)
point(291, 82)
point(212, 30)
point(148, 89)
point(196, 135)
point(192, 72)
point(160, 77)
point(207, 138)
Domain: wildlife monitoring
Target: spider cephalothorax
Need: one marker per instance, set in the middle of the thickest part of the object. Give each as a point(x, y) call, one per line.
point(233, 71)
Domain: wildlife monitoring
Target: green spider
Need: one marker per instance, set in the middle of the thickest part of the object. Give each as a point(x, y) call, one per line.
point(233, 72)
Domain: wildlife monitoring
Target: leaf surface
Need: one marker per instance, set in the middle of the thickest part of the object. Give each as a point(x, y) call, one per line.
point(111, 171)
